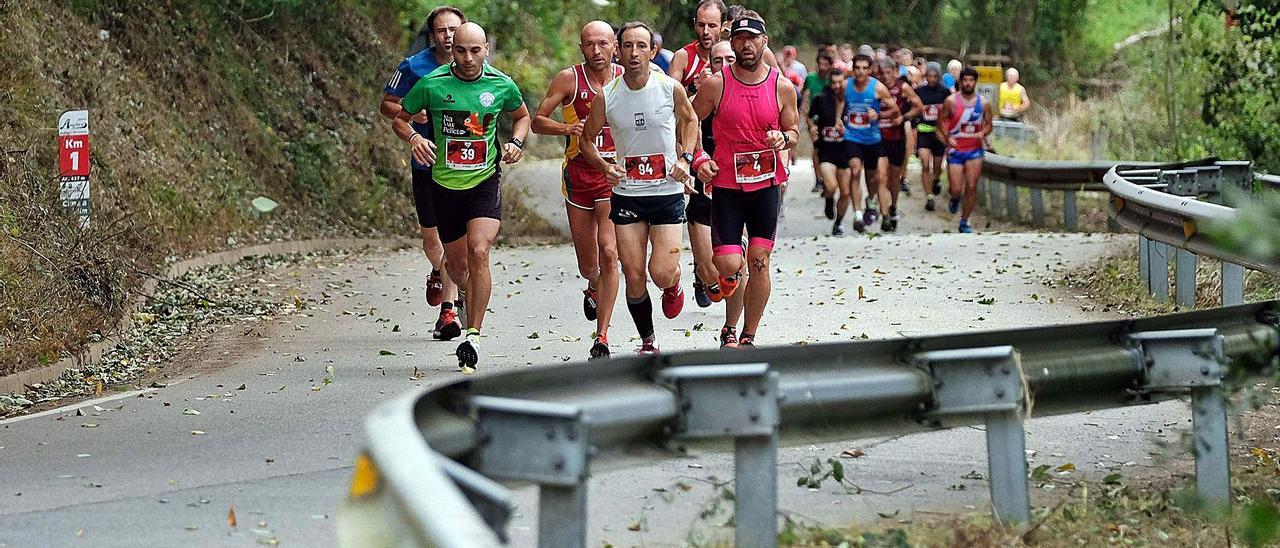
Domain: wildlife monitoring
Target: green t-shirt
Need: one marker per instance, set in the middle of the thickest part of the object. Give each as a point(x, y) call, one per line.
point(814, 83)
point(464, 115)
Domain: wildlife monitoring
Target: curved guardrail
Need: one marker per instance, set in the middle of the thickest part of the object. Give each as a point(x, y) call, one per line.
point(1007, 174)
point(427, 475)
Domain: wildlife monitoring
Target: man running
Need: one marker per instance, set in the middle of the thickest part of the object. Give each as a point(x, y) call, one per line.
point(464, 100)
point(814, 85)
point(586, 190)
point(930, 148)
point(866, 101)
point(894, 141)
point(655, 133)
point(1014, 101)
point(966, 122)
point(827, 133)
point(756, 119)
point(442, 23)
point(692, 64)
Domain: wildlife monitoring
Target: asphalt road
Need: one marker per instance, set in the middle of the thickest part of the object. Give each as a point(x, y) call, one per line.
point(273, 440)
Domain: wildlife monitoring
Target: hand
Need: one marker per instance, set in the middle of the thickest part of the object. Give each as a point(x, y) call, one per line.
point(708, 171)
point(576, 129)
point(873, 114)
point(615, 174)
point(424, 151)
point(421, 117)
point(775, 139)
point(511, 153)
point(813, 132)
point(702, 75)
point(681, 171)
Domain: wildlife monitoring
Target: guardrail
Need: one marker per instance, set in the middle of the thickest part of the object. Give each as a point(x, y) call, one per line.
point(1003, 175)
point(550, 425)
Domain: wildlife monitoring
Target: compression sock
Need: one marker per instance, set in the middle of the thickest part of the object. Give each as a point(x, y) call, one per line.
point(642, 313)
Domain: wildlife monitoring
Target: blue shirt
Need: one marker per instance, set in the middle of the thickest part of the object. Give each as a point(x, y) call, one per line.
point(406, 75)
point(663, 59)
point(948, 81)
point(858, 126)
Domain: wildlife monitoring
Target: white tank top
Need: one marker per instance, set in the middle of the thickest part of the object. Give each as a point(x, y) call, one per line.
point(643, 122)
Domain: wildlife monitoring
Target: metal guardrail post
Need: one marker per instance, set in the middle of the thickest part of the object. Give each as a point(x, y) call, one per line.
point(1070, 215)
point(987, 382)
point(1232, 284)
point(545, 443)
point(740, 401)
point(993, 197)
point(1193, 359)
point(1186, 278)
point(1037, 207)
point(1144, 262)
point(1159, 267)
point(1208, 179)
point(983, 185)
point(1011, 203)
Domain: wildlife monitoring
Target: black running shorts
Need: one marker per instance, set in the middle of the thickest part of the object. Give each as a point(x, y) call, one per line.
point(655, 210)
point(895, 151)
point(931, 141)
point(422, 184)
point(734, 210)
point(455, 208)
point(869, 154)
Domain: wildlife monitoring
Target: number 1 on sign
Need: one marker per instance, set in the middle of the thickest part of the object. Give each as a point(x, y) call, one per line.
point(75, 161)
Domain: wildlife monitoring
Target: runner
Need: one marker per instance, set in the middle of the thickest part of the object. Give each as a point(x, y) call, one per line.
point(442, 23)
point(930, 148)
point(586, 190)
point(653, 127)
point(894, 141)
point(814, 84)
point(966, 122)
point(866, 100)
point(828, 148)
point(691, 64)
point(756, 120)
point(952, 75)
point(464, 99)
point(846, 53)
point(1014, 101)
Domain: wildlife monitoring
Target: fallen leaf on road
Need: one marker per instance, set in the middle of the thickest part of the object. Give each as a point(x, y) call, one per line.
point(197, 432)
point(243, 387)
point(385, 352)
point(853, 454)
point(231, 516)
point(190, 412)
point(861, 294)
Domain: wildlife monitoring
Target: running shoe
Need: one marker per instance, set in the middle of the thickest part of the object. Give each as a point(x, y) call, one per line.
point(859, 226)
point(930, 203)
point(467, 352)
point(589, 305)
point(728, 285)
point(599, 348)
point(647, 348)
point(888, 225)
point(747, 341)
point(830, 208)
point(435, 289)
point(869, 217)
point(448, 327)
point(700, 294)
point(937, 186)
point(964, 227)
point(906, 189)
point(837, 230)
point(672, 301)
point(954, 206)
point(728, 337)
point(713, 293)
point(817, 184)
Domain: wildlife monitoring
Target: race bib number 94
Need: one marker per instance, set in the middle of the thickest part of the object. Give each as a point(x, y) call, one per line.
point(466, 155)
point(753, 167)
point(650, 168)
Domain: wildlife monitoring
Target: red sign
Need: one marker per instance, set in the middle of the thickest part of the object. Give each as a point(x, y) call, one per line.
point(73, 155)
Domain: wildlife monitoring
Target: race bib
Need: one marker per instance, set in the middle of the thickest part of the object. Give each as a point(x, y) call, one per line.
point(649, 169)
point(604, 144)
point(931, 112)
point(832, 134)
point(466, 155)
point(753, 167)
point(859, 120)
point(970, 129)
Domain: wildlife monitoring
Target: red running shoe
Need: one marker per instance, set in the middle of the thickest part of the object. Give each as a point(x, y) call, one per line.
point(435, 289)
point(728, 285)
point(647, 348)
point(448, 327)
point(589, 304)
point(672, 301)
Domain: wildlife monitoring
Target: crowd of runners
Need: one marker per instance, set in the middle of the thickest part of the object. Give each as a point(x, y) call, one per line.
point(658, 142)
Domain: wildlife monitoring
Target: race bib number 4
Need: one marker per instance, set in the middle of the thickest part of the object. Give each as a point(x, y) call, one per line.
point(753, 167)
point(604, 144)
point(466, 155)
point(650, 168)
point(931, 112)
point(859, 120)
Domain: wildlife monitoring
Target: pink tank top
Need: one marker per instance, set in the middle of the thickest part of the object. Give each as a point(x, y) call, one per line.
point(745, 114)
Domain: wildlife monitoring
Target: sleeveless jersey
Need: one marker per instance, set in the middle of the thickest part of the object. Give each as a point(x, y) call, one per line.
point(644, 133)
point(577, 110)
point(692, 68)
point(888, 131)
point(932, 97)
point(1010, 97)
point(746, 112)
point(965, 125)
point(858, 126)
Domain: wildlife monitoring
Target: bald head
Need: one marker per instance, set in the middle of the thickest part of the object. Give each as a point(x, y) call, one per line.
point(1011, 75)
point(470, 49)
point(598, 45)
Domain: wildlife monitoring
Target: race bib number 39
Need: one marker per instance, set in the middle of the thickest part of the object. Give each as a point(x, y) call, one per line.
point(604, 144)
point(753, 167)
point(466, 155)
point(651, 168)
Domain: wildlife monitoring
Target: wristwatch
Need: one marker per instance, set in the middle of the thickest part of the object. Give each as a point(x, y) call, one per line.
point(518, 143)
point(687, 157)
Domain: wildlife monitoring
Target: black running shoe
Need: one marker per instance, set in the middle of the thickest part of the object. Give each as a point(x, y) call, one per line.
point(589, 305)
point(600, 348)
point(747, 341)
point(467, 352)
point(728, 337)
point(700, 294)
point(859, 226)
point(930, 203)
point(837, 230)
